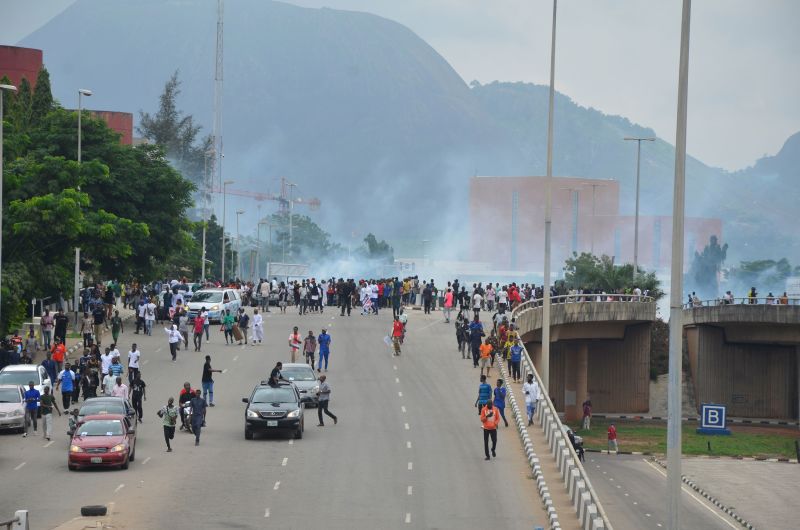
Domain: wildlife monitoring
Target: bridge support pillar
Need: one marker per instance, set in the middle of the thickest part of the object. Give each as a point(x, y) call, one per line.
point(576, 376)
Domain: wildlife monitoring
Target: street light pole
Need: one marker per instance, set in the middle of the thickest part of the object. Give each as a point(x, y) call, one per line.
point(674, 404)
point(548, 215)
point(636, 218)
point(77, 281)
point(224, 200)
point(238, 262)
point(291, 204)
point(3, 89)
point(81, 92)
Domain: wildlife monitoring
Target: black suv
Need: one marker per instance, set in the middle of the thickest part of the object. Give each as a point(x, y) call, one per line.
point(274, 408)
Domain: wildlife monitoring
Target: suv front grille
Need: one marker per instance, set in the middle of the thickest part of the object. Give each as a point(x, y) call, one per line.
point(272, 414)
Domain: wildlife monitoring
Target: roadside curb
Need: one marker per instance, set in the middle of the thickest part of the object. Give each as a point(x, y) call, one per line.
point(702, 457)
point(713, 500)
point(737, 421)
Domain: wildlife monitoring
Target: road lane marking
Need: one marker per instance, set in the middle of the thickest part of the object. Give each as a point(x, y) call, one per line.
point(408, 444)
point(411, 466)
point(48, 444)
point(400, 394)
point(235, 358)
point(146, 460)
point(396, 379)
point(20, 466)
point(403, 408)
point(119, 488)
point(277, 485)
point(291, 442)
point(410, 489)
point(394, 367)
point(407, 427)
point(285, 461)
point(158, 350)
point(647, 515)
point(701, 503)
point(408, 518)
point(224, 370)
point(266, 512)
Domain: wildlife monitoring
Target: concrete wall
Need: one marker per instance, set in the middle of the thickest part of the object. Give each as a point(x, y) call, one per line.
point(609, 313)
point(17, 62)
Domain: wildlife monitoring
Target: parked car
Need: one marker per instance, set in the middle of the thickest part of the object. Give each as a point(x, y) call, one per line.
point(12, 408)
point(22, 374)
point(305, 379)
point(274, 408)
point(216, 301)
point(105, 405)
point(108, 440)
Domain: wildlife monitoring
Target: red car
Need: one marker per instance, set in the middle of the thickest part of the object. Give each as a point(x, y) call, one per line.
point(102, 441)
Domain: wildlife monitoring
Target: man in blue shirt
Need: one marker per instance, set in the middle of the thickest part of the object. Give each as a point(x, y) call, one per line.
point(66, 380)
point(50, 367)
point(484, 394)
point(31, 407)
point(475, 334)
point(516, 357)
point(324, 341)
point(500, 400)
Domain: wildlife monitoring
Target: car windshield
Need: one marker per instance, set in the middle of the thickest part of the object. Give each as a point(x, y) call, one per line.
point(207, 296)
point(19, 378)
point(90, 409)
point(274, 395)
point(101, 428)
point(9, 395)
point(298, 374)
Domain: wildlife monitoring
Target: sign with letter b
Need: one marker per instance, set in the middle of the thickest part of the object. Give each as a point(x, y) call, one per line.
point(713, 419)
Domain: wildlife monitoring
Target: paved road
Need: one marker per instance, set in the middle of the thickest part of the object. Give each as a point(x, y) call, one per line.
point(633, 492)
point(407, 451)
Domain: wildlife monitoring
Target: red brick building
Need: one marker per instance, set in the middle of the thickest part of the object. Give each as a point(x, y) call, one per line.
point(509, 212)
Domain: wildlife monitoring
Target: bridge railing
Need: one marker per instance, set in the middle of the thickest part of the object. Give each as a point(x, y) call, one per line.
point(575, 478)
point(761, 300)
point(581, 298)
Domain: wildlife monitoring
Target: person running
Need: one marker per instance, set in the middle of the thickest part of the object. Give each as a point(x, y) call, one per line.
point(490, 417)
point(138, 394)
point(59, 352)
point(310, 348)
point(500, 400)
point(198, 415)
point(448, 305)
point(484, 394)
point(169, 417)
point(258, 327)
point(324, 341)
point(32, 397)
point(531, 390)
point(324, 397)
point(208, 381)
point(46, 403)
point(295, 342)
point(116, 326)
point(397, 335)
point(475, 335)
point(174, 338)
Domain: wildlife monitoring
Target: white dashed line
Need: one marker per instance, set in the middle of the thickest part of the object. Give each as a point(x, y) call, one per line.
point(394, 367)
point(277, 485)
point(146, 460)
point(224, 370)
point(266, 512)
point(618, 486)
point(659, 525)
point(407, 427)
point(400, 394)
point(396, 379)
point(119, 488)
point(403, 408)
point(647, 515)
point(48, 444)
point(158, 350)
point(291, 442)
point(411, 466)
point(611, 479)
point(408, 518)
point(285, 461)
point(626, 494)
point(408, 444)
point(410, 489)
point(635, 503)
point(236, 357)
point(20, 466)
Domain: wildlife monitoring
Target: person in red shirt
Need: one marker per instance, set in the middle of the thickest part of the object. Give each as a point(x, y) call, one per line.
point(490, 417)
point(612, 439)
point(59, 352)
point(199, 325)
point(397, 334)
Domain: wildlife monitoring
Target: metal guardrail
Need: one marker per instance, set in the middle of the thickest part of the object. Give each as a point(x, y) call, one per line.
point(546, 406)
point(20, 520)
point(760, 300)
point(581, 298)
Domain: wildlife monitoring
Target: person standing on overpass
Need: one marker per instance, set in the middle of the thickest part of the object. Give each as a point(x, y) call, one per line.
point(490, 417)
point(500, 400)
point(531, 391)
point(484, 394)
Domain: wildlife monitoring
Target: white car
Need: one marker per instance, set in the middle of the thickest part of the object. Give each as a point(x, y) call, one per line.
point(22, 374)
point(216, 301)
point(12, 408)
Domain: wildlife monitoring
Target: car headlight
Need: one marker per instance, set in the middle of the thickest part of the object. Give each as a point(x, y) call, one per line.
point(117, 448)
point(214, 307)
point(75, 449)
point(294, 414)
point(315, 390)
point(17, 412)
point(252, 413)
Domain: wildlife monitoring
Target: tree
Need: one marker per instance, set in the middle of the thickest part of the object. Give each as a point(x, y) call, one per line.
point(42, 101)
point(764, 275)
point(587, 271)
point(705, 268)
point(377, 250)
point(213, 249)
point(309, 241)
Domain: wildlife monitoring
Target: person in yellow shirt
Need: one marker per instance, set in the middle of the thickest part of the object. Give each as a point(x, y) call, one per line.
point(486, 354)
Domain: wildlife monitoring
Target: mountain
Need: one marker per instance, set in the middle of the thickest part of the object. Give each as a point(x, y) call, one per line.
point(362, 113)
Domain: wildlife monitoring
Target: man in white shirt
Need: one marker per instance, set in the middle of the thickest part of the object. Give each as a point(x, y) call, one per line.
point(108, 384)
point(477, 301)
point(105, 362)
point(115, 351)
point(258, 328)
point(133, 362)
point(531, 390)
point(502, 299)
point(264, 291)
point(637, 293)
point(149, 317)
point(119, 389)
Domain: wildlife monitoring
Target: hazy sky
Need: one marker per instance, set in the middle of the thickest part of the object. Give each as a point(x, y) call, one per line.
point(619, 56)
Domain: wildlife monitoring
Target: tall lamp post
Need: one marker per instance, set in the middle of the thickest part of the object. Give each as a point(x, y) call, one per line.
point(291, 204)
point(238, 252)
point(3, 89)
point(224, 197)
point(636, 217)
point(81, 92)
point(267, 255)
point(76, 294)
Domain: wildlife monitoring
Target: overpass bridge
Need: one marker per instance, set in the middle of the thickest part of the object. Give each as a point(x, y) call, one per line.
point(599, 349)
point(745, 355)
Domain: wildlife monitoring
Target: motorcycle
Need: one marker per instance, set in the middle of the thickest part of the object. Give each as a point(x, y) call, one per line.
point(186, 421)
point(577, 444)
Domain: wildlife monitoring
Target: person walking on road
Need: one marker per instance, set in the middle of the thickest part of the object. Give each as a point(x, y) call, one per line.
point(531, 390)
point(324, 396)
point(324, 341)
point(500, 400)
point(120, 389)
point(46, 403)
point(66, 381)
point(244, 324)
point(197, 332)
point(397, 335)
point(174, 337)
point(486, 356)
point(116, 326)
point(295, 342)
point(310, 348)
point(198, 415)
point(169, 417)
point(490, 417)
point(227, 326)
point(258, 327)
point(133, 362)
point(138, 394)
point(516, 358)
point(208, 381)
point(587, 414)
point(32, 398)
point(484, 394)
point(612, 439)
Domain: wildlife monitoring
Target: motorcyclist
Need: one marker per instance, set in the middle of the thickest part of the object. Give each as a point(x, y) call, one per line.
point(186, 394)
point(577, 444)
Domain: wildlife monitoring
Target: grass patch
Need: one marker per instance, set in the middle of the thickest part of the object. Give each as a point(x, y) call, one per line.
point(651, 437)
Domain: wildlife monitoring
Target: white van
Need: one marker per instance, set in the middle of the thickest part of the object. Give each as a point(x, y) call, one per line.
point(216, 301)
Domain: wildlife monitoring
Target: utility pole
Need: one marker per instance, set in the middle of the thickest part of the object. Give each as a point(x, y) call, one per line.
point(594, 190)
point(548, 216)
point(291, 205)
point(218, 77)
point(636, 217)
point(674, 448)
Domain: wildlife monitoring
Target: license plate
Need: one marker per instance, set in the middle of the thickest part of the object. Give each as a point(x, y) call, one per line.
point(272, 423)
point(97, 460)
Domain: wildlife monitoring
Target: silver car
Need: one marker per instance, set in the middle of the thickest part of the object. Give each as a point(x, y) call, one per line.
point(22, 374)
point(305, 379)
point(12, 407)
